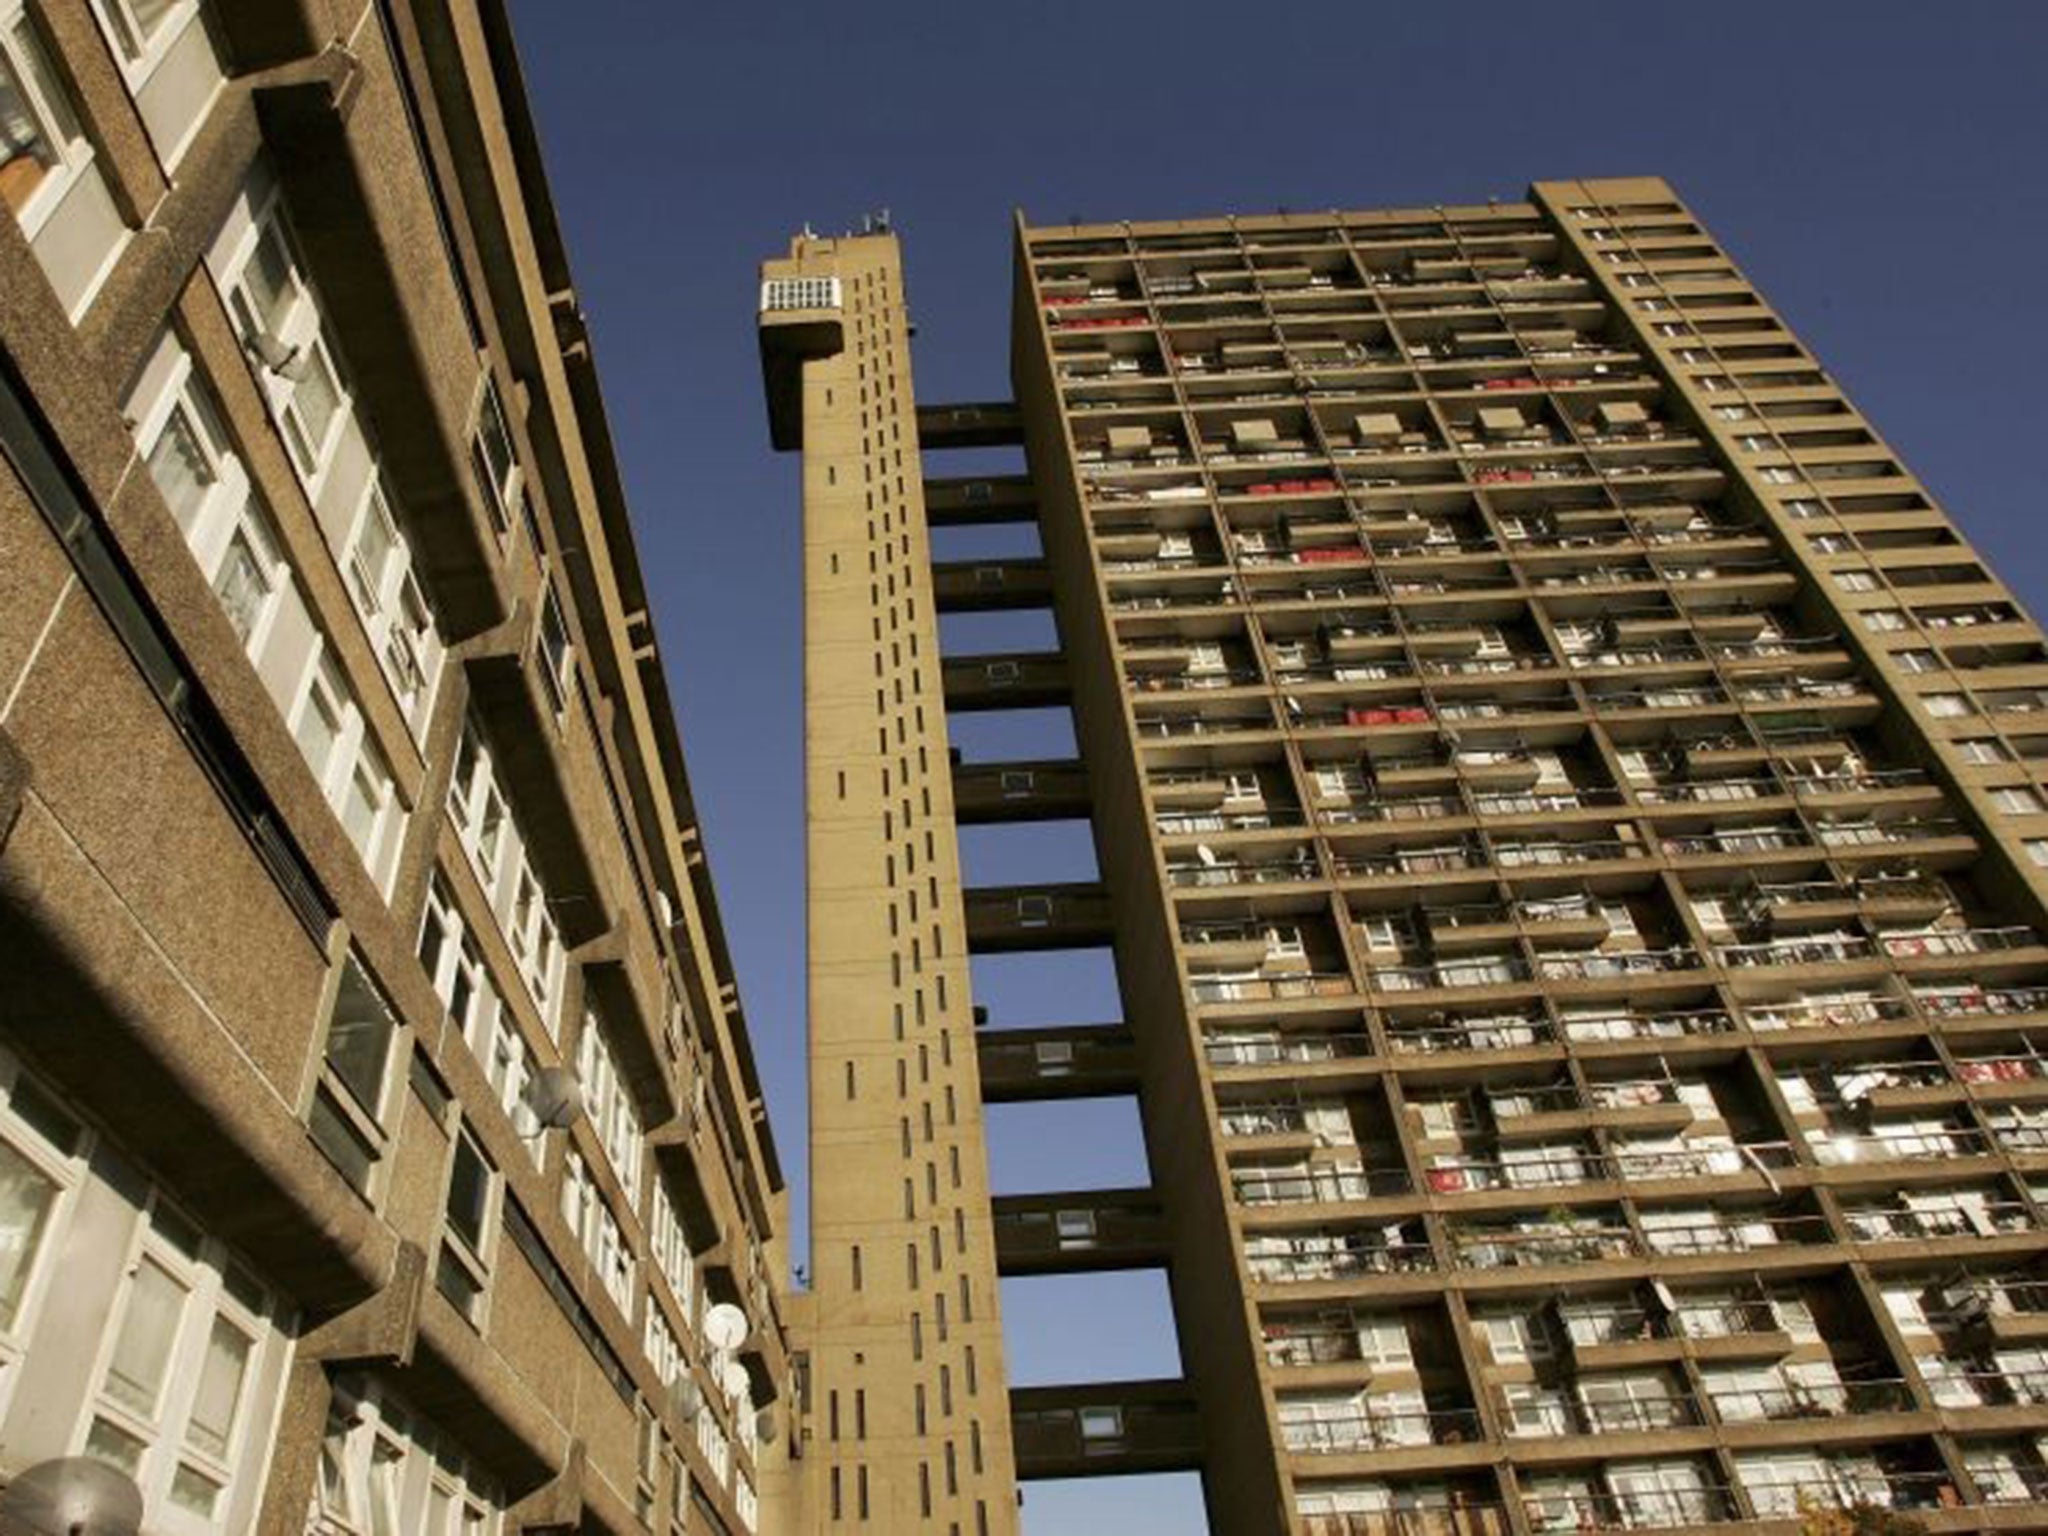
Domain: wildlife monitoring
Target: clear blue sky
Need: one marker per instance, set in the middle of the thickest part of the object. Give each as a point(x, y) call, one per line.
point(1876, 167)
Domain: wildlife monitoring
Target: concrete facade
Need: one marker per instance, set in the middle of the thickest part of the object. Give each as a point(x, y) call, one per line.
point(1569, 816)
point(343, 819)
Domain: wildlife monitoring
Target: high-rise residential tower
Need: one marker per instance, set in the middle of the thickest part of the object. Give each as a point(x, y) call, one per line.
point(1570, 830)
point(380, 1147)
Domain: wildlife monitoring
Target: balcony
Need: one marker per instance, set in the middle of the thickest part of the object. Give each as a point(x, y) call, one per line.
point(1082, 1232)
point(1791, 1401)
point(1309, 1258)
point(1317, 1184)
point(1541, 1246)
point(1105, 1429)
point(1240, 1048)
point(1553, 1513)
point(1067, 1062)
point(1374, 1427)
point(1731, 1232)
point(1434, 1033)
point(1454, 1517)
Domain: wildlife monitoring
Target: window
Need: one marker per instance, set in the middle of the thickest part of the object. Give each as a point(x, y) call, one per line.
point(498, 475)
point(173, 1390)
point(554, 654)
point(378, 564)
point(1946, 706)
point(590, 1217)
point(176, 1373)
point(351, 1102)
point(280, 327)
point(2016, 800)
point(230, 535)
point(496, 846)
point(169, 65)
point(609, 1104)
point(717, 1449)
point(671, 1249)
point(1982, 749)
point(48, 176)
point(386, 1471)
point(468, 1228)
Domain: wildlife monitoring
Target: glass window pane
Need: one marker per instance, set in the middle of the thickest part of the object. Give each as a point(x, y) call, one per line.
point(178, 464)
point(375, 545)
point(26, 1199)
point(319, 729)
point(469, 1187)
point(114, 1446)
point(316, 397)
point(359, 808)
point(212, 1424)
point(243, 584)
point(28, 141)
point(387, 1467)
point(268, 277)
point(359, 1038)
point(149, 1329)
point(140, 19)
point(194, 1492)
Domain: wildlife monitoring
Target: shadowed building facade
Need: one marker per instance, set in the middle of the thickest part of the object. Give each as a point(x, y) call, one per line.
point(1569, 824)
point(345, 839)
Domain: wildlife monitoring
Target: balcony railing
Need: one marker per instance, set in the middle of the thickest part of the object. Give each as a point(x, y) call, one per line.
point(1318, 1185)
point(1512, 1248)
point(1242, 989)
point(1799, 951)
point(1978, 1002)
point(1594, 965)
point(1835, 1013)
point(1491, 1035)
point(1666, 1025)
point(1743, 1235)
point(1339, 1261)
point(1462, 1518)
point(1370, 1428)
point(1957, 941)
point(1799, 1401)
point(1224, 1051)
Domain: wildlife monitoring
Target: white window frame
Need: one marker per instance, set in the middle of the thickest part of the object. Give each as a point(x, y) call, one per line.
point(57, 118)
point(589, 1214)
point(162, 1429)
point(609, 1106)
point(472, 1258)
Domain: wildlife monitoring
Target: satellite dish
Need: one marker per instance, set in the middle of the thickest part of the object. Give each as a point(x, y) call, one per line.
point(765, 1425)
point(71, 1496)
point(734, 1380)
point(687, 1398)
point(555, 1097)
point(725, 1327)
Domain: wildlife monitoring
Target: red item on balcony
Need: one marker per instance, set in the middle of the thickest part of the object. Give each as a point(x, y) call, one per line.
point(1368, 717)
point(1331, 555)
point(1320, 485)
point(1263, 488)
point(1412, 714)
point(1446, 1181)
